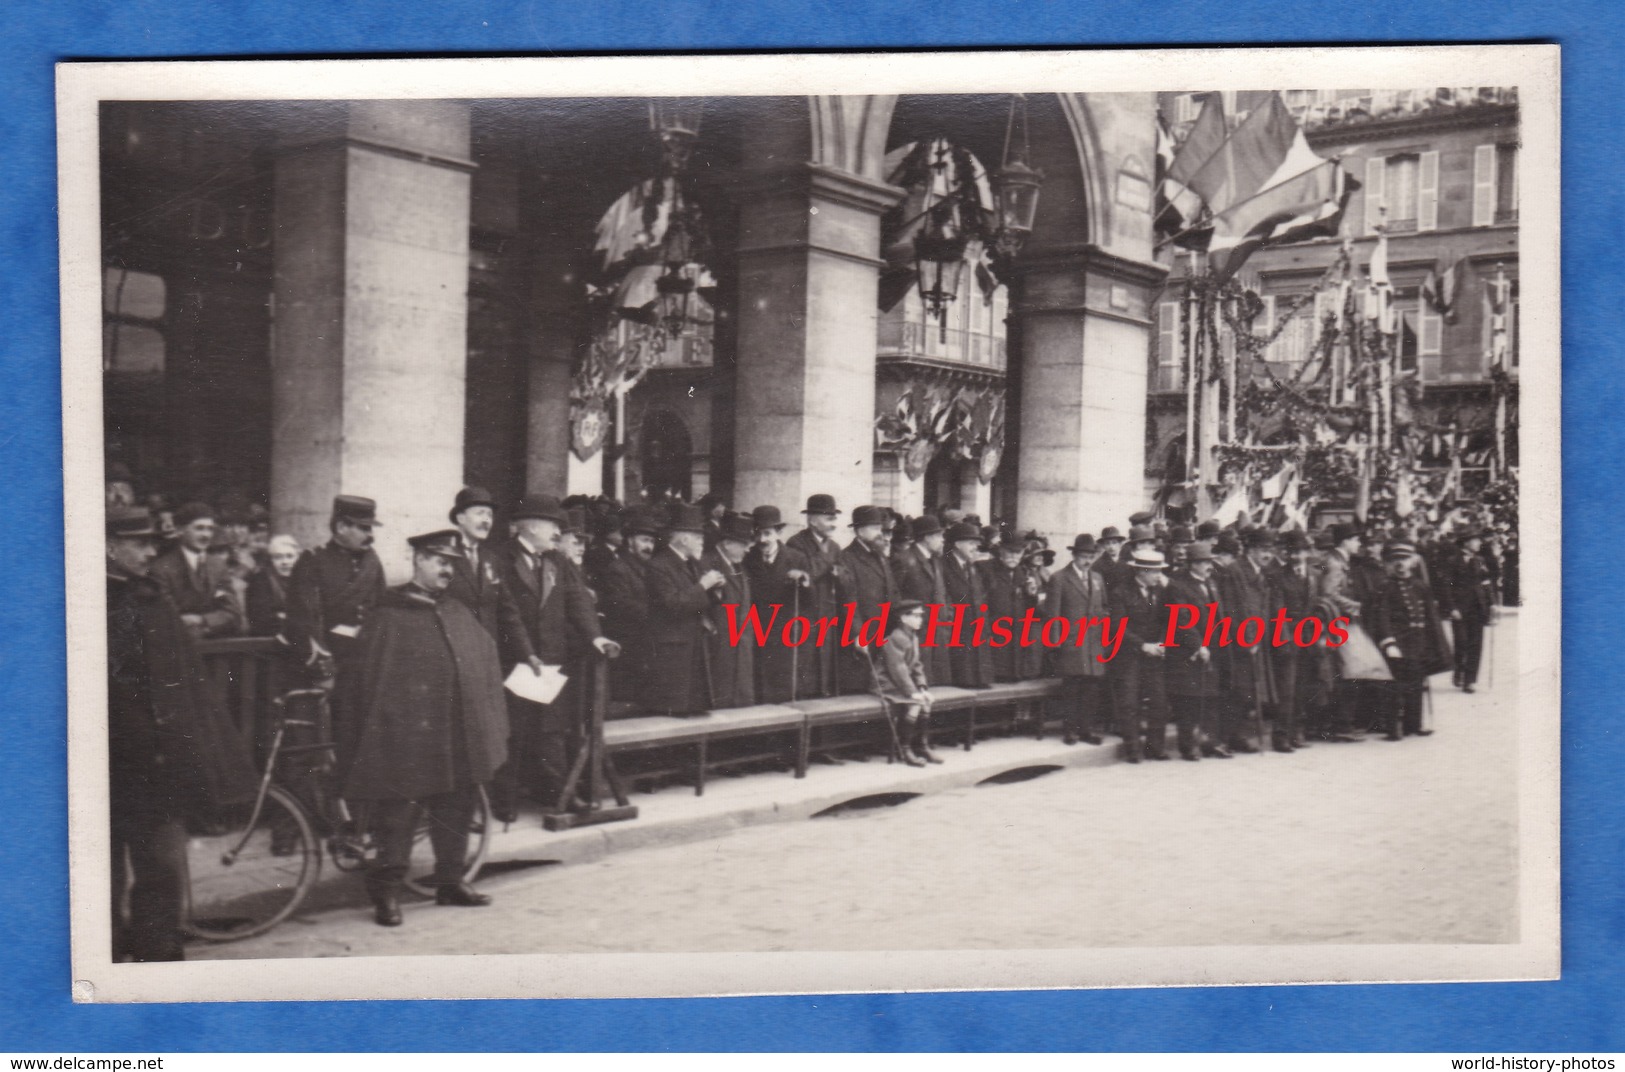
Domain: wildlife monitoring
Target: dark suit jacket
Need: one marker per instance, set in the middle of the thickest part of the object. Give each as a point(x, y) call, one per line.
point(866, 579)
point(919, 576)
point(331, 586)
point(1137, 677)
point(554, 617)
point(678, 616)
point(1184, 675)
point(267, 600)
point(1465, 586)
point(484, 592)
point(970, 666)
point(1069, 596)
point(211, 597)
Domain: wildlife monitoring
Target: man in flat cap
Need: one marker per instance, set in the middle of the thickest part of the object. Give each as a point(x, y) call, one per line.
point(770, 585)
point(1137, 674)
point(866, 580)
point(172, 752)
point(556, 625)
point(1468, 599)
point(333, 587)
point(918, 570)
point(970, 666)
point(813, 558)
point(1077, 592)
point(733, 666)
point(425, 726)
point(680, 596)
point(198, 583)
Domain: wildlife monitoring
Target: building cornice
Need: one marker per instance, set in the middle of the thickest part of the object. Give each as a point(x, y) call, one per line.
point(1094, 260)
point(1486, 115)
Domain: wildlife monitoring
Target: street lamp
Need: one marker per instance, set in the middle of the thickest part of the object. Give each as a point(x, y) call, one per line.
point(939, 265)
point(676, 122)
point(1015, 187)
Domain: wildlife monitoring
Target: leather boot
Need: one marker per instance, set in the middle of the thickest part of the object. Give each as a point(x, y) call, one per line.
point(461, 895)
point(922, 741)
point(905, 744)
point(386, 903)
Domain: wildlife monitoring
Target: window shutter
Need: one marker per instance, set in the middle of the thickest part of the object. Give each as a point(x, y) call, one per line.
point(1427, 194)
point(1430, 339)
point(1168, 333)
point(1483, 185)
point(1376, 169)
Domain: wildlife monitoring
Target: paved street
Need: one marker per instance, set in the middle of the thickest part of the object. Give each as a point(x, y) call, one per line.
point(1370, 843)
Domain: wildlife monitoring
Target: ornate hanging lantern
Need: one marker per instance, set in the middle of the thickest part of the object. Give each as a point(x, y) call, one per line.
point(939, 266)
point(676, 122)
point(1015, 187)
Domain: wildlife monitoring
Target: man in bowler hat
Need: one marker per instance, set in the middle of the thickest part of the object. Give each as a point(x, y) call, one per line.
point(733, 666)
point(971, 666)
point(865, 580)
point(1078, 592)
point(813, 558)
point(1468, 600)
point(770, 585)
point(679, 674)
point(475, 579)
point(918, 569)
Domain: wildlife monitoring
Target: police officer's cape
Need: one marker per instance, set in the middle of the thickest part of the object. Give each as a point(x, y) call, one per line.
point(425, 713)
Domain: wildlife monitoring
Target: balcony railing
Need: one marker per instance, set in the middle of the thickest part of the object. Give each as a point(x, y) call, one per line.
point(912, 338)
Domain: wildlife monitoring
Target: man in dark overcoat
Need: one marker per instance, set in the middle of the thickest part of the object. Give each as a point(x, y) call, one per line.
point(333, 587)
point(770, 586)
point(173, 754)
point(1247, 674)
point(476, 579)
point(679, 676)
point(623, 601)
point(1302, 680)
point(1078, 592)
point(866, 581)
point(733, 666)
point(970, 665)
point(426, 726)
point(813, 558)
point(1111, 545)
point(1136, 675)
point(1190, 671)
point(1012, 589)
point(1468, 600)
point(198, 583)
point(555, 624)
point(918, 571)
point(1404, 621)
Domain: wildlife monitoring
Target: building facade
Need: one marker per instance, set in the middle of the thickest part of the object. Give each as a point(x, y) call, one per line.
point(394, 298)
point(1438, 169)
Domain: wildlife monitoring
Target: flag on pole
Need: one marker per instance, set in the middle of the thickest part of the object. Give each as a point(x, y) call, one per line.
point(1439, 288)
point(1302, 196)
point(1179, 207)
point(1236, 506)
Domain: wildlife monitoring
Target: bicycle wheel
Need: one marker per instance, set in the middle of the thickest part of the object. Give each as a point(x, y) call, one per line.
point(240, 892)
point(479, 844)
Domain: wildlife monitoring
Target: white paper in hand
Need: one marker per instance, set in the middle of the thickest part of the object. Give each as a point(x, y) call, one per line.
point(542, 688)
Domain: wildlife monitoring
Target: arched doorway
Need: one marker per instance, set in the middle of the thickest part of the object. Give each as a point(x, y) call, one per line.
point(665, 456)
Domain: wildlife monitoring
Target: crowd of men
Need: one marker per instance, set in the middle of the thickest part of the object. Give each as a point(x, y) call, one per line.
point(416, 672)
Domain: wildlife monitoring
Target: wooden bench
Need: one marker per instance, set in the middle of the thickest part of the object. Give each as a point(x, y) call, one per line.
point(700, 731)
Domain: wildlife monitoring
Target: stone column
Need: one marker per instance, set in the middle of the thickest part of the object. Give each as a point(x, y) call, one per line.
point(370, 340)
point(1084, 331)
point(808, 277)
point(555, 314)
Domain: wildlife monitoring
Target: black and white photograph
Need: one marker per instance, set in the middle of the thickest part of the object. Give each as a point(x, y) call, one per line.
point(765, 524)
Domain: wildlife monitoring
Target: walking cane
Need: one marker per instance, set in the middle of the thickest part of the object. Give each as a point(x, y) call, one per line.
point(1258, 705)
point(795, 649)
point(1427, 704)
point(1490, 651)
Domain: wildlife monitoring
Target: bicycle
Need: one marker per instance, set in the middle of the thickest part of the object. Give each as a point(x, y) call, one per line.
point(247, 879)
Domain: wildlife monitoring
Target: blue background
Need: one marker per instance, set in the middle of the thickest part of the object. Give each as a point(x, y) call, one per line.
point(1586, 1011)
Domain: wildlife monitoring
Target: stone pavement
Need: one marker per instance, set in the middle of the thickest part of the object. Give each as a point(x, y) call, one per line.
point(1373, 842)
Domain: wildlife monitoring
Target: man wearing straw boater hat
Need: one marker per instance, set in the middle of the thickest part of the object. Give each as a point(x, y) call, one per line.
point(1136, 674)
